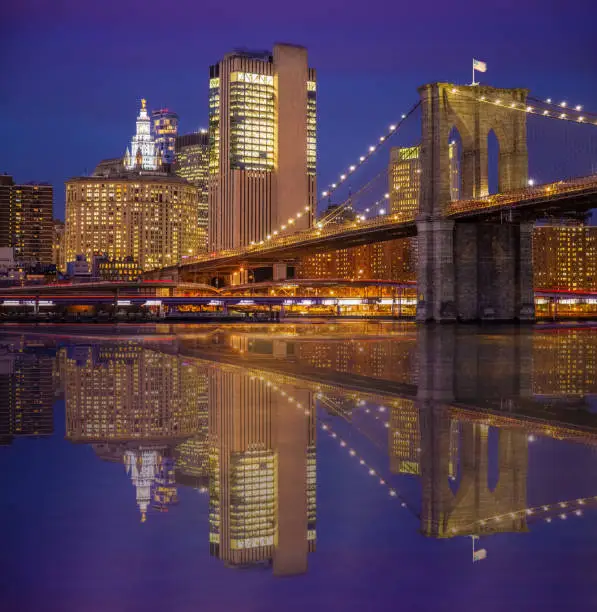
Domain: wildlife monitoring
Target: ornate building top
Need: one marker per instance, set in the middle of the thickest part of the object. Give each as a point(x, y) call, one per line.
point(142, 153)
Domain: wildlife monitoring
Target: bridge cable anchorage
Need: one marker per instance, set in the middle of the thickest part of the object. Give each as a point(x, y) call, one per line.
point(563, 509)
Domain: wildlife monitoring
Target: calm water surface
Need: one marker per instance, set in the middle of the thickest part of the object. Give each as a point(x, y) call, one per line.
point(354, 466)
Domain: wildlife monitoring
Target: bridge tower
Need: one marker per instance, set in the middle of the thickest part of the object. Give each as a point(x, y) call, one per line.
point(470, 271)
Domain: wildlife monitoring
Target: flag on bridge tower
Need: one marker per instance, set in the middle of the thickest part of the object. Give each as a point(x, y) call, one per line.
point(479, 66)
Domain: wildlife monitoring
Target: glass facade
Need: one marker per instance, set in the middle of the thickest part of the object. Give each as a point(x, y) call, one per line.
point(252, 130)
point(311, 127)
point(405, 181)
point(164, 124)
point(214, 125)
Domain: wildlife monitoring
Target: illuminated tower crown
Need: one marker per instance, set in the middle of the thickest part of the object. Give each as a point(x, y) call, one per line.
point(142, 152)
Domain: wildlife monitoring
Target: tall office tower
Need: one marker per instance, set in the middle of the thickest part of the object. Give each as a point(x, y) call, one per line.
point(262, 471)
point(164, 124)
point(145, 217)
point(58, 244)
point(192, 164)
point(142, 153)
point(405, 181)
point(262, 127)
point(565, 257)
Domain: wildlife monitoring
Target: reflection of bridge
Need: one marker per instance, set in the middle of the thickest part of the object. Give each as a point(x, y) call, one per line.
point(260, 415)
point(474, 253)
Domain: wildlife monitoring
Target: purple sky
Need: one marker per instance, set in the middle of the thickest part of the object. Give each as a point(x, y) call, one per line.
point(73, 72)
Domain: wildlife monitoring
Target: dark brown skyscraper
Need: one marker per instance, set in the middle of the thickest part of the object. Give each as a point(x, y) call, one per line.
point(26, 219)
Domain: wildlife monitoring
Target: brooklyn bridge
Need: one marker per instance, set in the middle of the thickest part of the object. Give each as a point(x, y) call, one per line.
point(474, 251)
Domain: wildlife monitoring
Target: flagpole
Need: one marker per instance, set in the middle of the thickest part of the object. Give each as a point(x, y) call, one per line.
point(473, 83)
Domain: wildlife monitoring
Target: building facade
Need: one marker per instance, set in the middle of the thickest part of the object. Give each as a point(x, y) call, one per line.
point(115, 270)
point(164, 124)
point(142, 154)
point(392, 260)
point(565, 257)
point(405, 181)
point(192, 164)
point(26, 220)
point(149, 218)
point(404, 173)
point(262, 129)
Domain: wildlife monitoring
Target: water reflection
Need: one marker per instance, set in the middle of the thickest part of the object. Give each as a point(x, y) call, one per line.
point(234, 413)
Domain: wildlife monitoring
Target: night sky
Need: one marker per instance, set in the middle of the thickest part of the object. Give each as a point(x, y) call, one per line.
point(73, 72)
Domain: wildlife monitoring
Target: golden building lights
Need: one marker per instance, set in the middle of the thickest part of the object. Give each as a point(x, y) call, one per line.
point(152, 219)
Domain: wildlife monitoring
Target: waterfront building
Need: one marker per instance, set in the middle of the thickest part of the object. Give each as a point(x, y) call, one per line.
point(164, 125)
point(192, 164)
point(141, 155)
point(565, 257)
point(148, 217)
point(390, 260)
point(262, 129)
point(26, 220)
point(116, 270)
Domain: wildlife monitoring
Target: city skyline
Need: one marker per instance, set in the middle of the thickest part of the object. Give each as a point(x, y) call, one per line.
point(559, 69)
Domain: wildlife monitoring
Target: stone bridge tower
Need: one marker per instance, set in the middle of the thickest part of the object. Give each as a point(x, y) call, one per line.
point(466, 270)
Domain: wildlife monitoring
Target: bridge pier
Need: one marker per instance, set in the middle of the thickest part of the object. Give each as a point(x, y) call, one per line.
point(474, 271)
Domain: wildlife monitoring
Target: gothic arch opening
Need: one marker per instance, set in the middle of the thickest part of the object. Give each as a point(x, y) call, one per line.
point(454, 160)
point(493, 162)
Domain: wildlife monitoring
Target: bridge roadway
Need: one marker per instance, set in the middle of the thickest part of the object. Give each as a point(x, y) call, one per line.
point(575, 196)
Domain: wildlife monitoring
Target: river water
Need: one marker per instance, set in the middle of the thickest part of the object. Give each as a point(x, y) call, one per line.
point(321, 466)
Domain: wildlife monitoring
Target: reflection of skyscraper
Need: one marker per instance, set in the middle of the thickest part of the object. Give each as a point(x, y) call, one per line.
point(125, 392)
point(405, 438)
point(26, 394)
point(262, 472)
point(192, 455)
point(135, 405)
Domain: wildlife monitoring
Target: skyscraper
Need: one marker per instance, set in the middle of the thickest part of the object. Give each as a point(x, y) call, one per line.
point(164, 124)
point(142, 152)
point(26, 220)
point(405, 181)
point(192, 164)
point(262, 164)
